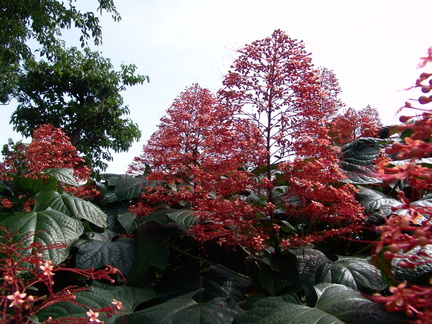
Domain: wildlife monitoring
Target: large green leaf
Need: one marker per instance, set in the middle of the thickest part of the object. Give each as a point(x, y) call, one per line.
point(351, 307)
point(375, 201)
point(309, 261)
point(337, 304)
point(421, 271)
point(357, 158)
point(64, 175)
point(98, 253)
point(99, 297)
point(283, 310)
point(356, 273)
point(72, 206)
point(34, 186)
point(152, 250)
point(279, 273)
point(184, 218)
point(362, 151)
point(120, 187)
point(47, 227)
point(183, 310)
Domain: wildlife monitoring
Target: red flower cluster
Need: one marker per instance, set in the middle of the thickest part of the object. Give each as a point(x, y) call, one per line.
point(26, 273)
point(408, 231)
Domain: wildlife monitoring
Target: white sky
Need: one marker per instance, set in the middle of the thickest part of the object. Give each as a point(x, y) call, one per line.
point(373, 46)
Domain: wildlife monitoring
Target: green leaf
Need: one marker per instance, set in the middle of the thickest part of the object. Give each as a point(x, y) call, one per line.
point(72, 206)
point(49, 227)
point(127, 220)
point(64, 175)
point(35, 185)
point(94, 253)
point(279, 310)
point(184, 218)
point(421, 271)
point(130, 296)
point(127, 187)
point(279, 272)
point(98, 297)
point(337, 304)
point(356, 273)
point(351, 307)
point(183, 310)
point(152, 250)
point(357, 158)
point(373, 200)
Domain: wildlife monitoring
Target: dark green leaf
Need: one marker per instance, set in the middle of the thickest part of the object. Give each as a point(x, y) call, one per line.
point(184, 310)
point(127, 220)
point(98, 297)
point(50, 226)
point(151, 251)
point(373, 201)
point(350, 306)
point(356, 273)
point(282, 310)
point(33, 186)
point(72, 206)
point(184, 218)
point(94, 253)
point(64, 175)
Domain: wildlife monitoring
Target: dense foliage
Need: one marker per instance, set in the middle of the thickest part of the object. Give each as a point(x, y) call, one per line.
point(246, 206)
point(42, 21)
point(80, 92)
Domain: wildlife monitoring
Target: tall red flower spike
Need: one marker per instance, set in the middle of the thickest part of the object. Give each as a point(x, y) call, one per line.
point(274, 84)
point(201, 151)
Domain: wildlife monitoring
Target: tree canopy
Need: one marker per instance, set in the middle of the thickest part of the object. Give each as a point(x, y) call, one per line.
point(79, 91)
point(42, 21)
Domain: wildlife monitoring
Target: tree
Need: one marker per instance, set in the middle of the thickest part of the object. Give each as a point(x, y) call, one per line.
point(274, 83)
point(201, 151)
point(79, 91)
point(351, 125)
point(42, 21)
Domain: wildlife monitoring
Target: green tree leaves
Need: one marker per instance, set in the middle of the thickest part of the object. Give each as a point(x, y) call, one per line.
point(79, 91)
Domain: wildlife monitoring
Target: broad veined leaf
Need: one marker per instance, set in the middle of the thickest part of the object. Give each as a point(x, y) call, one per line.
point(99, 297)
point(357, 158)
point(420, 273)
point(47, 227)
point(183, 218)
point(284, 310)
point(72, 206)
point(373, 201)
point(120, 187)
point(279, 273)
point(130, 296)
point(356, 273)
point(309, 261)
point(336, 304)
point(183, 310)
point(152, 250)
point(351, 307)
point(98, 253)
point(362, 151)
point(64, 175)
point(35, 185)
point(127, 220)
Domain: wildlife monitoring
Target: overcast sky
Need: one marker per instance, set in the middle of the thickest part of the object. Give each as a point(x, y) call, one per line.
point(373, 46)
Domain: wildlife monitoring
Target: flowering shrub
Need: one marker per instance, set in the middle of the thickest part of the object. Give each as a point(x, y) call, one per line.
point(404, 247)
point(28, 282)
